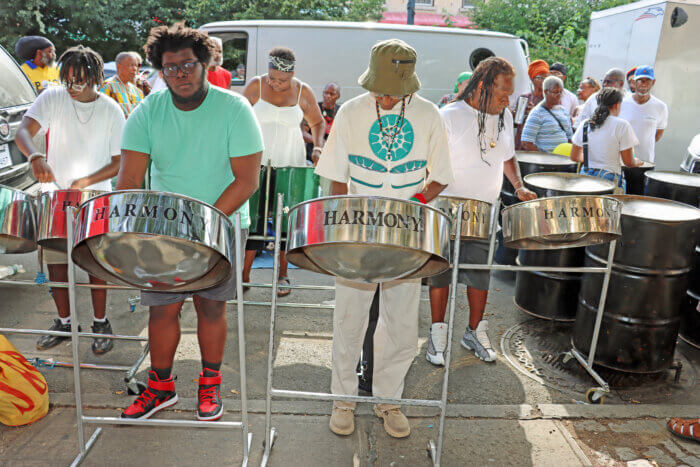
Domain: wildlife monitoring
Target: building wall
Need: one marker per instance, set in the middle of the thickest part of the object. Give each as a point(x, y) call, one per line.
point(453, 7)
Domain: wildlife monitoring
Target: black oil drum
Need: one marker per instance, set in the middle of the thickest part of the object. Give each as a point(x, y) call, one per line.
point(634, 176)
point(529, 162)
point(678, 186)
point(690, 319)
point(647, 286)
point(553, 295)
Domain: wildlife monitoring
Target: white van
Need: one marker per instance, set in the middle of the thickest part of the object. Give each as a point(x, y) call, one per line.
point(339, 51)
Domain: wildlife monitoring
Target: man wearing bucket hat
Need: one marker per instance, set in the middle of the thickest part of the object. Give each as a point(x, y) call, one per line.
point(386, 142)
point(39, 55)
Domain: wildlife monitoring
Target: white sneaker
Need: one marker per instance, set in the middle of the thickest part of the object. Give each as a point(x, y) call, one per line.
point(478, 342)
point(437, 343)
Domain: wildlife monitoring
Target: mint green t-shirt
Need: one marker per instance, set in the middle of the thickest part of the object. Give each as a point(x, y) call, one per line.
point(190, 150)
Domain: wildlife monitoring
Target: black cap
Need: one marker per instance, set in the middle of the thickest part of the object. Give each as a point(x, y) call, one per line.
point(557, 66)
point(27, 46)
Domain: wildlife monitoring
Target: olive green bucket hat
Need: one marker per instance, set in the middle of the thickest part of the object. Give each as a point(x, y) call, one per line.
point(392, 69)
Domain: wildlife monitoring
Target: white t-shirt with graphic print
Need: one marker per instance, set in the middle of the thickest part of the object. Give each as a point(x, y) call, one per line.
point(357, 153)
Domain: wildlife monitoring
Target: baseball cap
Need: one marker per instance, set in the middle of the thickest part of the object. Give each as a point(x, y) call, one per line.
point(644, 71)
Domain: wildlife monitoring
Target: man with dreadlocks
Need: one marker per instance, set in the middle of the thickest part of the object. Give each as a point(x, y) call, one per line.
point(203, 142)
point(85, 132)
point(387, 142)
point(480, 134)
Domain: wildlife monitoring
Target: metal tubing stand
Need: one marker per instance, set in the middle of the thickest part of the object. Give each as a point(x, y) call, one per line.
point(82, 419)
point(271, 433)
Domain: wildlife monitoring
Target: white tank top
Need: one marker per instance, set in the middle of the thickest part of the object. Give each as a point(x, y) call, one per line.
point(281, 129)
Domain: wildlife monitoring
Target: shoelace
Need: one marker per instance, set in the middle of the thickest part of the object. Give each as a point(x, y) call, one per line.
point(144, 399)
point(208, 394)
point(483, 339)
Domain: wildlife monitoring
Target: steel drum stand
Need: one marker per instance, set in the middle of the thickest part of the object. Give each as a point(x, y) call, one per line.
point(434, 449)
point(83, 419)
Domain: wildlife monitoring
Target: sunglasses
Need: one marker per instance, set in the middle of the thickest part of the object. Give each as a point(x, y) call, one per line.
point(187, 68)
point(77, 87)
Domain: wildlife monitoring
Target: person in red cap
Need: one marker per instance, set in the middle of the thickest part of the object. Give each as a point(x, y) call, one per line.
point(630, 78)
point(537, 71)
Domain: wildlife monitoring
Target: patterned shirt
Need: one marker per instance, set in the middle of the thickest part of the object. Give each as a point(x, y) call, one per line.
point(128, 96)
point(544, 129)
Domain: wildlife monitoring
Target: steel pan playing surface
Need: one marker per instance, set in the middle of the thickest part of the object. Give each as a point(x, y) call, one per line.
point(368, 239)
point(154, 241)
point(17, 221)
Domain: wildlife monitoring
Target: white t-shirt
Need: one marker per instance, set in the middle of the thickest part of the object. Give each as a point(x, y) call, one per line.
point(645, 120)
point(83, 136)
point(569, 101)
point(588, 108)
point(356, 152)
point(476, 178)
point(606, 142)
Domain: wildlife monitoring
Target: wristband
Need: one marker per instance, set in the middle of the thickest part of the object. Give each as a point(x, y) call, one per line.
point(35, 155)
point(418, 197)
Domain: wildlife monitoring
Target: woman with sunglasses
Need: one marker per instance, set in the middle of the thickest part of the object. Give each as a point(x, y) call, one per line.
point(85, 129)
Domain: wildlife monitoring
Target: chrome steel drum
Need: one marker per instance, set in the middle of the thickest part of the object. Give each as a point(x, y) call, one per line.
point(154, 241)
point(678, 186)
point(17, 221)
point(562, 184)
point(52, 215)
point(634, 176)
point(535, 162)
point(476, 216)
point(368, 239)
point(561, 222)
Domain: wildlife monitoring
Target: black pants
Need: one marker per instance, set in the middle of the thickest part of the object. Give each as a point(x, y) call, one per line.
point(365, 367)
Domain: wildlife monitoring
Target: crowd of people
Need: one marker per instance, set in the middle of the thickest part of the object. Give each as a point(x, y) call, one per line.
point(204, 141)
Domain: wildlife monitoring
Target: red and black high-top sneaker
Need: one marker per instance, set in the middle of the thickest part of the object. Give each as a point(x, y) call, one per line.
point(210, 406)
point(158, 395)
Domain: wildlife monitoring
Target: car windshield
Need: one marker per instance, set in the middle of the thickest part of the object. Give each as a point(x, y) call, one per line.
point(15, 89)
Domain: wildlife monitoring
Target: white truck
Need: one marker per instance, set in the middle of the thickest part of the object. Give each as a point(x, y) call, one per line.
point(663, 34)
point(339, 52)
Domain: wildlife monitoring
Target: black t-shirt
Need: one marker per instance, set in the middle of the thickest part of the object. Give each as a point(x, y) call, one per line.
point(328, 116)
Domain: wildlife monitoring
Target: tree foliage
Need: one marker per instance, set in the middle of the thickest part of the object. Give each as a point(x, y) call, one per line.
point(112, 26)
point(555, 30)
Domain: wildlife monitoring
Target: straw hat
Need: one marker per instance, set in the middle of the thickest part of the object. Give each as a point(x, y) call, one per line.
point(392, 69)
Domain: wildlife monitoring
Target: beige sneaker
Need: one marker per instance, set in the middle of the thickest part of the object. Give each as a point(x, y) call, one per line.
point(342, 419)
point(395, 422)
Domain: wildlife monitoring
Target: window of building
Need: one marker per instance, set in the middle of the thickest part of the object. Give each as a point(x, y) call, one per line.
point(425, 2)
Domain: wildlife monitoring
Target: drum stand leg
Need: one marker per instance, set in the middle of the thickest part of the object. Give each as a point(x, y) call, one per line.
point(270, 431)
point(595, 395)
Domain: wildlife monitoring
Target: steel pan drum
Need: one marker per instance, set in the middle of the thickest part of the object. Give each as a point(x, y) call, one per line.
point(52, 215)
point(154, 241)
point(476, 216)
point(634, 176)
point(678, 186)
point(368, 239)
point(561, 222)
point(17, 221)
point(563, 184)
point(536, 162)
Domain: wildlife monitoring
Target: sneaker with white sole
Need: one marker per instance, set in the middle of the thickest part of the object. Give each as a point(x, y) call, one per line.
point(478, 342)
point(437, 343)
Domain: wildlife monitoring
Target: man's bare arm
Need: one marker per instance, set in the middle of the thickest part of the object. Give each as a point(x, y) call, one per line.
point(246, 170)
point(105, 173)
point(132, 170)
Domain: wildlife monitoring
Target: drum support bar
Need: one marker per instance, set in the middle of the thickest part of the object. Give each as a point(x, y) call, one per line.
point(75, 335)
point(271, 432)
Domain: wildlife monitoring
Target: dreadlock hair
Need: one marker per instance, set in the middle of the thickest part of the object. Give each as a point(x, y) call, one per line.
point(606, 99)
point(174, 38)
point(486, 73)
point(86, 65)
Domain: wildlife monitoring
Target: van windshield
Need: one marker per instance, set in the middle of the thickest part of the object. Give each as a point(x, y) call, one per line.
point(15, 89)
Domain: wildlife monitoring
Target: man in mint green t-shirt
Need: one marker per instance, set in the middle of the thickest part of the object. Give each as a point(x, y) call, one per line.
point(203, 142)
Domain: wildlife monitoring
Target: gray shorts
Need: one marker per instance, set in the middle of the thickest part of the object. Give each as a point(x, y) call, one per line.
point(470, 252)
point(220, 293)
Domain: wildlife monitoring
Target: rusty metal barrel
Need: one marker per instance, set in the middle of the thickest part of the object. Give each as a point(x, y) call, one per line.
point(553, 295)
point(647, 287)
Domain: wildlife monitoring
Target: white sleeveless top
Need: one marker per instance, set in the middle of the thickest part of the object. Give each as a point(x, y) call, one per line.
point(281, 129)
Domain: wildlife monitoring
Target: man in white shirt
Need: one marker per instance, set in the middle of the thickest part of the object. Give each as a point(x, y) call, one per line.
point(482, 150)
point(568, 99)
point(85, 129)
point(614, 78)
point(647, 114)
point(386, 142)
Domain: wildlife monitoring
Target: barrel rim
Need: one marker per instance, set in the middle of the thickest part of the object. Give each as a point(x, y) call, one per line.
point(610, 185)
point(654, 199)
point(365, 197)
point(690, 175)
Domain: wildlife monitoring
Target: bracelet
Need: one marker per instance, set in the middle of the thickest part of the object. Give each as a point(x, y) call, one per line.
point(35, 155)
point(418, 197)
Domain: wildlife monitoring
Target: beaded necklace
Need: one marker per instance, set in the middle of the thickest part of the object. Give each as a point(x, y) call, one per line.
point(388, 135)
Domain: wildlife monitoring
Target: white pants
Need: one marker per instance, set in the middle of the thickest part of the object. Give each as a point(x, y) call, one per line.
point(395, 339)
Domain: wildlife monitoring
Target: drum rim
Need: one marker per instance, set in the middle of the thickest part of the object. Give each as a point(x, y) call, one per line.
point(373, 197)
point(522, 204)
point(545, 156)
point(461, 198)
point(17, 190)
point(654, 199)
point(611, 185)
point(650, 174)
point(155, 192)
point(43, 194)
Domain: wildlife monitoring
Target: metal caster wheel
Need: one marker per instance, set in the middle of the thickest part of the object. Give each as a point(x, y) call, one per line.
point(595, 396)
point(135, 387)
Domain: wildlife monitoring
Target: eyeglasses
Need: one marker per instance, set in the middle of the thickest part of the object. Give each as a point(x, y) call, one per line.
point(77, 87)
point(187, 68)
